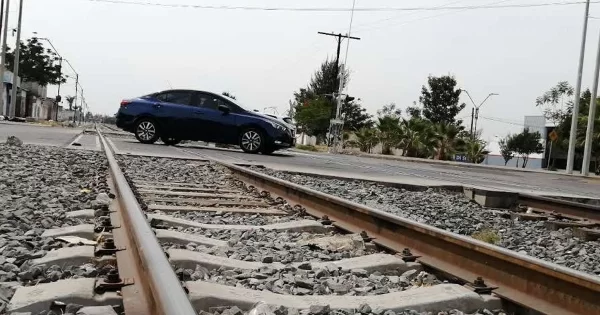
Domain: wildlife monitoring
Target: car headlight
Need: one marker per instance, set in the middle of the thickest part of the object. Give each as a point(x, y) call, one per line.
point(278, 126)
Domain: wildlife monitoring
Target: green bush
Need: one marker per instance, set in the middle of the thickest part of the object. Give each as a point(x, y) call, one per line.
point(487, 235)
point(307, 147)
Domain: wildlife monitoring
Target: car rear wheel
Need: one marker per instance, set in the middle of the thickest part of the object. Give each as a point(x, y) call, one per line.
point(251, 141)
point(170, 141)
point(146, 131)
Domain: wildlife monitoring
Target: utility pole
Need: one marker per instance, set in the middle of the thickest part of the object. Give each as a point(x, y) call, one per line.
point(472, 116)
point(13, 98)
point(337, 124)
point(587, 151)
point(75, 100)
point(339, 44)
point(339, 38)
point(2, 58)
point(58, 98)
point(573, 134)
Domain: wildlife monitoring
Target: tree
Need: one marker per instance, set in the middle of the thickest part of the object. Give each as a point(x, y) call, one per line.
point(388, 125)
point(418, 138)
point(320, 92)
point(475, 150)
point(231, 96)
point(447, 140)
point(441, 100)
point(365, 139)
point(355, 116)
point(414, 111)
point(37, 64)
point(70, 100)
point(526, 143)
point(553, 102)
point(313, 119)
point(506, 150)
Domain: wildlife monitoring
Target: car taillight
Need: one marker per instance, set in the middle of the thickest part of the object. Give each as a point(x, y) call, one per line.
point(125, 103)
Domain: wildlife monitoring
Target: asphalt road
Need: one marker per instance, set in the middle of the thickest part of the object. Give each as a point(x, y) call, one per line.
point(369, 168)
point(325, 164)
point(40, 135)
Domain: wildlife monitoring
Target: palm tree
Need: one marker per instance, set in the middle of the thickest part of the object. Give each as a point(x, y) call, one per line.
point(447, 140)
point(475, 150)
point(365, 139)
point(70, 100)
point(418, 138)
point(390, 133)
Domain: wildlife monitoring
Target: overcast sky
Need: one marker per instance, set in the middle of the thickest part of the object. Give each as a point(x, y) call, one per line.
point(123, 50)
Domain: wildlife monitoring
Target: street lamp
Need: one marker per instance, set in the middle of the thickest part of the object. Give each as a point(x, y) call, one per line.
point(475, 110)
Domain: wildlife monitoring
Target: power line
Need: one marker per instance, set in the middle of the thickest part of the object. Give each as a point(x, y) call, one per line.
point(511, 122)
point(495, 4)
point(401, 16)
point(323, 9)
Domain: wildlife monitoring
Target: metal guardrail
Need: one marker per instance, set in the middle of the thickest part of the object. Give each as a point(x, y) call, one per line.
point(168, 296)
point(526, 281)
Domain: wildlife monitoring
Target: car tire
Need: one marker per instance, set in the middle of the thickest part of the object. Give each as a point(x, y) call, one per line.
point(146, 131)
point(170, 141)
point(252, 140)
point(268, 151)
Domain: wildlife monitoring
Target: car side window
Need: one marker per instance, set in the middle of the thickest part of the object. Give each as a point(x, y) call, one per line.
point(176, 97)
point(206, 101)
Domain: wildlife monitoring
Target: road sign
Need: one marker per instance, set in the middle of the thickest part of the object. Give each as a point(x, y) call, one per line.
point(553, 136)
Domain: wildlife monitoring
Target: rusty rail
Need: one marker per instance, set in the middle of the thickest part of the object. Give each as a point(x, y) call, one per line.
point(525, 281)
point(151, 269)
point(570, 208)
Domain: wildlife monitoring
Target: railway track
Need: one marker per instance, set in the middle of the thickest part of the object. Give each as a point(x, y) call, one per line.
point(234, 237)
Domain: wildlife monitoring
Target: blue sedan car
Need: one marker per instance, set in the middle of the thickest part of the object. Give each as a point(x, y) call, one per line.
point(177, 115)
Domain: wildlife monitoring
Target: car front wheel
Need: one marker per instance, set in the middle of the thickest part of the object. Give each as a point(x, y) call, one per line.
point(251, 141)
point(146, 131)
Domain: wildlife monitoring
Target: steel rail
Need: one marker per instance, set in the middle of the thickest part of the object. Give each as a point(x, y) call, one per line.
point(525, 281)
point(570, 208)
point(168, 296)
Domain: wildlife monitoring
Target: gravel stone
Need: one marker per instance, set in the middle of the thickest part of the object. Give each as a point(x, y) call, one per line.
point(38, 186)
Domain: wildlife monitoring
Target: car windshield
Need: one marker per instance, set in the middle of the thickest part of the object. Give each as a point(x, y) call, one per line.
point(236, 102)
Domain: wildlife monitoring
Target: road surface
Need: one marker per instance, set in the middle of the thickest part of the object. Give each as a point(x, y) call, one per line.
point(325, 164)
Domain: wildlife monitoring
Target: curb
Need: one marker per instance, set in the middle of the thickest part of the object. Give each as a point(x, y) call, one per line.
point(468, 165)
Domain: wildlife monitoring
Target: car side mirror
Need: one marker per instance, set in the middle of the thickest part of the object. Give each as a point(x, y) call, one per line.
point(224, 108)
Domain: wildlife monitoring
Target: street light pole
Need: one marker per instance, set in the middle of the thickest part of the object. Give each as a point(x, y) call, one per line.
point(475, 111)
point(3, 59)
point(13, 97)
point(575, 112)
point(587, 151)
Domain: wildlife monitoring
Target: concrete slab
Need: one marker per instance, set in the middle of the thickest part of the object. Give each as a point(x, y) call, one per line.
point(209, 202)
point(82, 230)
point(196, 195)
point(81, 214)
point(185, 189)
point(442, 297)
point(140, 182)
point(292, 226)
point(38, 298)
point(264, 211)
point(375, 262)
point(74, 256)
point(185, 238)
point(187, 193)
point(491, 198)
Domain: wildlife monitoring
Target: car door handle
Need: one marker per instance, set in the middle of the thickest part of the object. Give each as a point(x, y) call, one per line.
point(197, 112)
point(156, 105)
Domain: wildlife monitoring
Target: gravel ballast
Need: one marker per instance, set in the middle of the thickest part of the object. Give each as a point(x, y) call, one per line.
point(38, 186)
point(453, 212)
